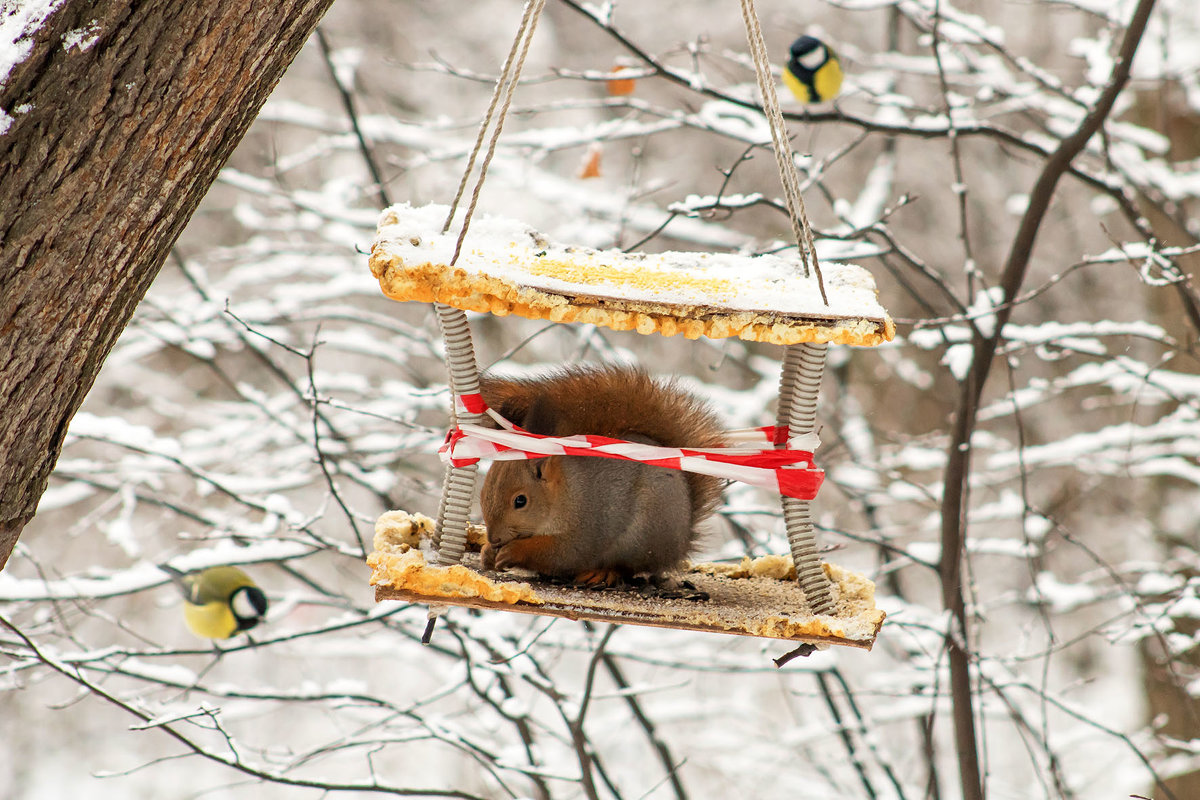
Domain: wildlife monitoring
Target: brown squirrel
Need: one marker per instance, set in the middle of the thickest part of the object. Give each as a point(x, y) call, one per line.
point(593, 519)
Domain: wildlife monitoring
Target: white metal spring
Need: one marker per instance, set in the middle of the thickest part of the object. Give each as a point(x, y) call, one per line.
point(799, 385)
point(458, 489)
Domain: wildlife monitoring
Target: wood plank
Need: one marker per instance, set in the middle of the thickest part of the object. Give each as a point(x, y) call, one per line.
point(744, 606)
point(505, 267)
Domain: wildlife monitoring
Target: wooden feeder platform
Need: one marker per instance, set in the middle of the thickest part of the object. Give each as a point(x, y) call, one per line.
point(757, 597)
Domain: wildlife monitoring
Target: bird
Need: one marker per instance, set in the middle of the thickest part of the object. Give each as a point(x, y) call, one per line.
point(813, 71)
point(219, 602)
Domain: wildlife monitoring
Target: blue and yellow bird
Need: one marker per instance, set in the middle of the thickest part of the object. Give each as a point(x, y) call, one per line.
point(813, 72)
point(219, 602)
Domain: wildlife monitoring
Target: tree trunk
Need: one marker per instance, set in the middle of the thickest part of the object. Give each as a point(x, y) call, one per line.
point(118, 119)
point(1171, 706)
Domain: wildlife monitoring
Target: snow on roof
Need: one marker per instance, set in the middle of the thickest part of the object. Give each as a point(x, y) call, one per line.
point(507, 267)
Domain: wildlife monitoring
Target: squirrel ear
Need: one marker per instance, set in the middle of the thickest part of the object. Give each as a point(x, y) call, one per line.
point(547, 469)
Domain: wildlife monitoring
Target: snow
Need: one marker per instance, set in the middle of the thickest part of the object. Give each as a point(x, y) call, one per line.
point(117, 429)
point(1110, 450)
point(981, 311)
point(346, 61)
point(1037, 527)
point(1052, 331)
point(578, 136)
point(590, 218)
point(693, 204)
point(498, 248)
point(1059, 595)
point(119, 529)
point(1098, 55)
point(957, 359)
point(145, 575)
point(868, 208)
point(18, 25)
point(82, 39)
point(1159, 583)
point(64, 495)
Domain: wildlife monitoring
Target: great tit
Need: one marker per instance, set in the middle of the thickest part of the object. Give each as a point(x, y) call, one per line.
point(219, 602)
point(813, 71)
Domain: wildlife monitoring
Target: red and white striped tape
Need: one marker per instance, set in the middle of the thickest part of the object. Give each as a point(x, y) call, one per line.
point(751, 457)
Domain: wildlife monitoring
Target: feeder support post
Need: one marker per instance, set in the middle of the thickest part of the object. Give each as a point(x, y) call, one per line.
point(799, 385)
point(458, 488)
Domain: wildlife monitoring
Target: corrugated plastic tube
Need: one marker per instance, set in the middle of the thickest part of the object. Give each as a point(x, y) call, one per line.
point(799, 385)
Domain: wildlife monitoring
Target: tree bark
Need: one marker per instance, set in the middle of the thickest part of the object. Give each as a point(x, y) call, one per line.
point(118, 119)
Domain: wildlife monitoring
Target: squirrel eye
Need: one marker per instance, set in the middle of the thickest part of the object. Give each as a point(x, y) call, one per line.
point(519, 501)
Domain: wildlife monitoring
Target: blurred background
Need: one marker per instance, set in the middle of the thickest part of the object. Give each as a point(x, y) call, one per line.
point(266, 404)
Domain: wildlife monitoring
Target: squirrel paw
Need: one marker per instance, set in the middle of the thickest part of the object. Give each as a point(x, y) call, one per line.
point(599, 577)
point(529, 552)
point(487, 556)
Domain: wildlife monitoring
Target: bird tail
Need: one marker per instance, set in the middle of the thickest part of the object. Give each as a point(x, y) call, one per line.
point(176, 576)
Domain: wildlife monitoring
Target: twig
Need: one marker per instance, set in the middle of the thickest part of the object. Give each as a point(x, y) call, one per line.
point(848, 694)
point(802, 651)
point(352, 112)
point(316, 431)
point(959, 187)
point(664, 753)
point(852, 752)
point(575, 724)
point(520, 722)
point(695, 83)
point(197, 749)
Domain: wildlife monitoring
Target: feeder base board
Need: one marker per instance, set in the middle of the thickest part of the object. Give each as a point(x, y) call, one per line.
point(738, 601)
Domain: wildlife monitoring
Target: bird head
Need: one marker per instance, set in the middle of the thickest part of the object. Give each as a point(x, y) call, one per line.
point(809, 52)
point(249, 605)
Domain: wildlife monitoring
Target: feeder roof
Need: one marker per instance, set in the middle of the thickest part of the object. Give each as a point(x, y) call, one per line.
point(506, 267)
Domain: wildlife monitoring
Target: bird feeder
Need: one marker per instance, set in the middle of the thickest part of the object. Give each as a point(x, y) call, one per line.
point(504, 267)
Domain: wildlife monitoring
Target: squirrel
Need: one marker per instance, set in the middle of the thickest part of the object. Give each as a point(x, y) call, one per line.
point(592, 519)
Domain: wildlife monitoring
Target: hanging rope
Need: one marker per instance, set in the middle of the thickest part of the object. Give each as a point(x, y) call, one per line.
point(459, 484)
point(803, 363)
point(801, 228)
point(502, 96)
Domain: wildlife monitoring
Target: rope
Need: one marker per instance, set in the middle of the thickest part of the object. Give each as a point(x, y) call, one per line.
point(801, 228)
point(502, 96)
point(459, 484)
